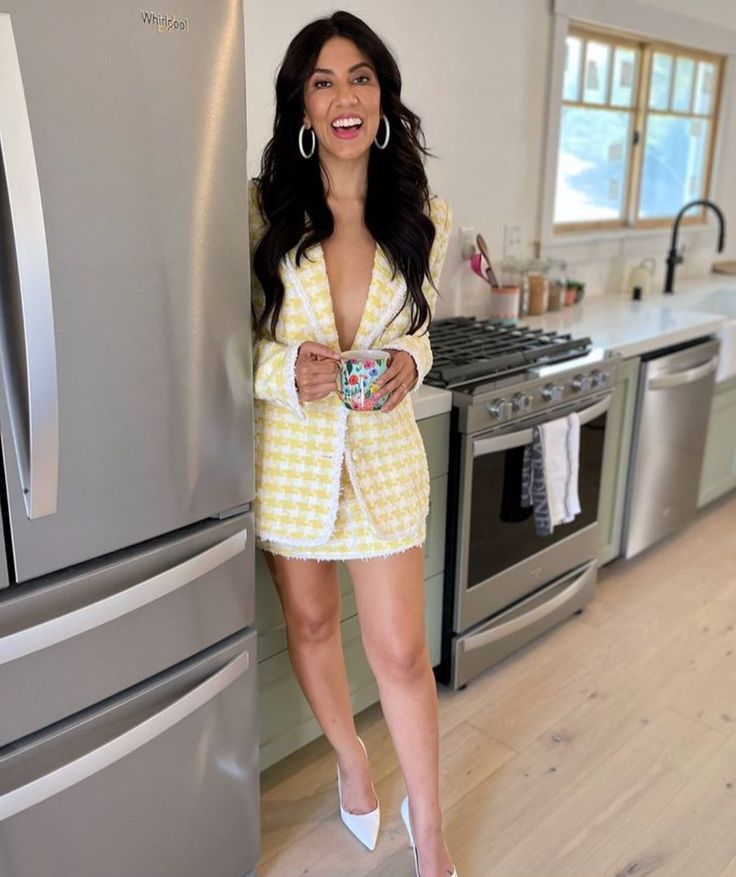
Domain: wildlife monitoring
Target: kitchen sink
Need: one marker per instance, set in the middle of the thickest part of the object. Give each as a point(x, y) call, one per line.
point(721, 301)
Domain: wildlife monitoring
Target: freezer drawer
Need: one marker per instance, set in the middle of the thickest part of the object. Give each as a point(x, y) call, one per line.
point(70, 641)
point(160, 782)
point(491, 641)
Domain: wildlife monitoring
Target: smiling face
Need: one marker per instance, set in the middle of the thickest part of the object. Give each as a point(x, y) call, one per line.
point(343, 86)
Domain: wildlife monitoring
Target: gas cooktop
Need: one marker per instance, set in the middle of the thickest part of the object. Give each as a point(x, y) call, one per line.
point(466, 350)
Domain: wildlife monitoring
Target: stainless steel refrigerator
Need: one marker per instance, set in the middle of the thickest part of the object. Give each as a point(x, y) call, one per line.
point(128, 699)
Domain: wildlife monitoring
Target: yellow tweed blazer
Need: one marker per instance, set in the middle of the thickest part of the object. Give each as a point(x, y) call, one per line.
point(300, 447)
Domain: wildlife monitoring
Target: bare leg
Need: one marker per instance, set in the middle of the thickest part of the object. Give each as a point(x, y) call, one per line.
point(390, 595)
point(310, 601)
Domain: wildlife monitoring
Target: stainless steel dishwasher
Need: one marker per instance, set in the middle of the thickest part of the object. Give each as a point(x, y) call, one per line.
point(671, 422)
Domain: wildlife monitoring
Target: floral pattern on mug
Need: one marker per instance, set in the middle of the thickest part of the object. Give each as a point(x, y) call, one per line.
point(358, 386)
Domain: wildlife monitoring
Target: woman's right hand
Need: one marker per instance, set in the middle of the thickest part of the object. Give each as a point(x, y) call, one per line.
point(316, 371)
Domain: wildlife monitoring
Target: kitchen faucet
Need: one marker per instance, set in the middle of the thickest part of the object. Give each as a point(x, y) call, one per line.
point(673, 257)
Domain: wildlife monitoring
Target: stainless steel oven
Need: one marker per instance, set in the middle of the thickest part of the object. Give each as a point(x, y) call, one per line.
point(504, 583)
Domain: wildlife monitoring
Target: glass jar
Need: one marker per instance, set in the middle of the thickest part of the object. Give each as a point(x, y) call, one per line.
point(513, 274)
point(557, 284)
point(538, 287)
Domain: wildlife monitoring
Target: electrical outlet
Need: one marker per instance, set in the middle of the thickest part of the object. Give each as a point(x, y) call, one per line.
point(467, 241)
point(513, 241)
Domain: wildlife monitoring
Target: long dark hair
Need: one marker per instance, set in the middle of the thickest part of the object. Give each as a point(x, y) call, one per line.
point(397, 200)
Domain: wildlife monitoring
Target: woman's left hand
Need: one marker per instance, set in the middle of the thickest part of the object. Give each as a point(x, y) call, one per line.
point(399, 378)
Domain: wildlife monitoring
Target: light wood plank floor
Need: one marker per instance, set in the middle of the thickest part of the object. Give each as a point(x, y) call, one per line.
point(605, 748)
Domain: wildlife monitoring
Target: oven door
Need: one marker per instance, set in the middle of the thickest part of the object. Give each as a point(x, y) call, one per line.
point(501, 559)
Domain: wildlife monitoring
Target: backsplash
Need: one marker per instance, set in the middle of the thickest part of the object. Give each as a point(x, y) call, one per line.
point(602, 263)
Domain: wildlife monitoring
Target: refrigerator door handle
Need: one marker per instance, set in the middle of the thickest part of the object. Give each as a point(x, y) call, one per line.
point(55, 630)
point(79, 769)
point(37, 440)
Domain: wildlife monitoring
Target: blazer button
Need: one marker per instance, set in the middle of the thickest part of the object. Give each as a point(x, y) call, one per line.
point(355, 455)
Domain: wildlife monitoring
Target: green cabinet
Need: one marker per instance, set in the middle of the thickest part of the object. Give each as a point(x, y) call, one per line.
point(719, 462)
point(287, 722)
point(619, 427)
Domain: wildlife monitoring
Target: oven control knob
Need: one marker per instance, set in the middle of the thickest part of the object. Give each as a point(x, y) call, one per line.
point(498, 408)
point(580, 383)
point(521, 402)
point(598, 378)
point(552, 392)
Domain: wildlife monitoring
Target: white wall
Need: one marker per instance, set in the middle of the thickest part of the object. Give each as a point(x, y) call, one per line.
point(478, 81)
point(721, 12)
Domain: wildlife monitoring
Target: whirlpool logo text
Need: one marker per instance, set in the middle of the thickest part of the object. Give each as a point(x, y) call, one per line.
point(165, 23)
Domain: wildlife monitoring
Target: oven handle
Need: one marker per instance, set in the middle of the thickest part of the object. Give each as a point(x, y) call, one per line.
point(544, 610)
point(524, 436)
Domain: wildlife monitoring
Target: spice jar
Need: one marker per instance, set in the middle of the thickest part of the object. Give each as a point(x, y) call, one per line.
point(557, 285)
point(538, 287)
point(571, 292)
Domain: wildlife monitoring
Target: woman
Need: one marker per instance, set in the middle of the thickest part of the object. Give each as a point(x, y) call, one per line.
point(347, 246)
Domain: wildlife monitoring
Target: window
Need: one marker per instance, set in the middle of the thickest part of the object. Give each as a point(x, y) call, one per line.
point(636, 132)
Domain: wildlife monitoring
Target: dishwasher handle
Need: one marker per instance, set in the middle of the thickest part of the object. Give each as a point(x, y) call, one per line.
point(679, 379)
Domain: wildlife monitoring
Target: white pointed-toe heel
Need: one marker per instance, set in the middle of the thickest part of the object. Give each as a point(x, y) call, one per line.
point(363, 825)
point(405, 817)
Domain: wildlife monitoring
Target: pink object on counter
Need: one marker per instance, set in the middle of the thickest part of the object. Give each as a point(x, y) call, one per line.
point(476, 263)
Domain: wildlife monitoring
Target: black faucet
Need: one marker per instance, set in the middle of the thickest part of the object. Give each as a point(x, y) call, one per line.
point(673, 257)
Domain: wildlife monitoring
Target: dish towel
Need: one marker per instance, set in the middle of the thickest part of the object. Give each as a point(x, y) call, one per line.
point(572, 498)
point(550, 473)
point(533, 487)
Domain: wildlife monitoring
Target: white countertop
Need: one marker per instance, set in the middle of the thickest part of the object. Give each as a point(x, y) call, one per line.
point(630, 328)
point(429, 401)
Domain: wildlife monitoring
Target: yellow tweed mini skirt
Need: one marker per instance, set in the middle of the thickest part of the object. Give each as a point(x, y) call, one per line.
point(352, 537)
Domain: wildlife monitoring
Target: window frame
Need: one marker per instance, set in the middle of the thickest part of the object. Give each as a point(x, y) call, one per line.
point(646, 47)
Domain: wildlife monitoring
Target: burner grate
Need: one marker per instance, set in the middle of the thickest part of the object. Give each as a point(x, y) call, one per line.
point(465, 349)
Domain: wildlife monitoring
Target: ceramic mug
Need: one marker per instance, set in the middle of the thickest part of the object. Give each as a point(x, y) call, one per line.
point(356, 379)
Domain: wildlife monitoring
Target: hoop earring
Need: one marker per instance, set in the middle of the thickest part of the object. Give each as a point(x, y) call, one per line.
point(388, 134)
point(301, 142)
